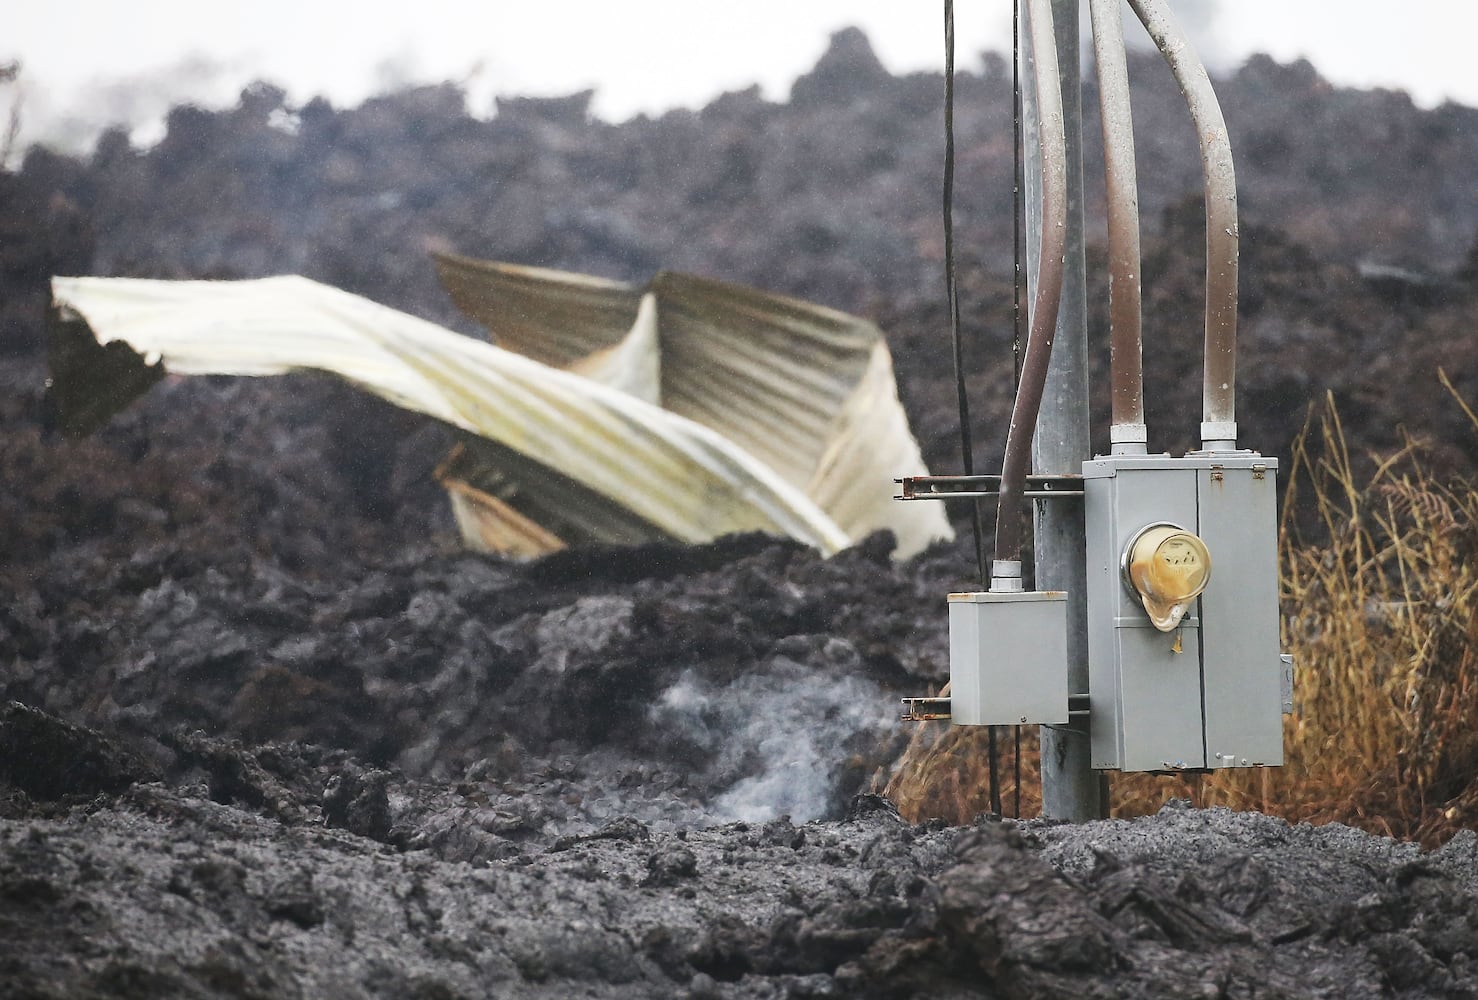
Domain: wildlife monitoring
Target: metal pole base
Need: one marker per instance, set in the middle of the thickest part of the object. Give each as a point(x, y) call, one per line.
point(1075, 792)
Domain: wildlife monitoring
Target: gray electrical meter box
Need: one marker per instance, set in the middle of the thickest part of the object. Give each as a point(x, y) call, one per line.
point(1008, 658)
point(1184, 661)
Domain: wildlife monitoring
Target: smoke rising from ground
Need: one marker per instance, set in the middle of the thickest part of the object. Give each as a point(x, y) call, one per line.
point(779, 739)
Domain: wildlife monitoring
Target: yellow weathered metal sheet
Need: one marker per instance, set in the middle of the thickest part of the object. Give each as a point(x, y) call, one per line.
point(603, 412)
point(667, 470)
point(807, 390)
point(556, 317)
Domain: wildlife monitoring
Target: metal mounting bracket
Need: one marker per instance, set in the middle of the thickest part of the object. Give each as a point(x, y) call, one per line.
point(977, 487)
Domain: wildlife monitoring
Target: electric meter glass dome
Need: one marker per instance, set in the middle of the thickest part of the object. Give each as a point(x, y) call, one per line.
point(1168, 567)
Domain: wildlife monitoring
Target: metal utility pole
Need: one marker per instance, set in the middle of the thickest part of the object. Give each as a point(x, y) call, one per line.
point(1071, 790)
point(1179, 673)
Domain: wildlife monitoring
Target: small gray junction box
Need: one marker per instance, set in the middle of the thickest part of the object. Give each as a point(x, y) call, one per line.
point(1008, 658)
point(1209, 693)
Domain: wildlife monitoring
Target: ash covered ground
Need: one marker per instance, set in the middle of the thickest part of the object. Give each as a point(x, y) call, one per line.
point(271, 733)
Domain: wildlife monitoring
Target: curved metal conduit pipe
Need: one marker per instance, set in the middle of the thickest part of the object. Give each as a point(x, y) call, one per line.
point(1006, 567)
point(1127, 433)
point(1219, 409)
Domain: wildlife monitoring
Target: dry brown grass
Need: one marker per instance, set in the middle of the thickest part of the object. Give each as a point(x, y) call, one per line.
point(944, 773)
point(1380, 602)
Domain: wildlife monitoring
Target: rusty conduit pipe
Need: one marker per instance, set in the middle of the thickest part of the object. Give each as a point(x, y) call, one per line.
point(1219, 409)
point(1006, 568)
point(1127, 433)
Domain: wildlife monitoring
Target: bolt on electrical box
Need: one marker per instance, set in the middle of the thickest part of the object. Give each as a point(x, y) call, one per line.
point(1008, 658)
point(1185, 666)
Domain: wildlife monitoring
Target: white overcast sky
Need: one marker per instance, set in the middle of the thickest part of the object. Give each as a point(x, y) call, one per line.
point(89, 62)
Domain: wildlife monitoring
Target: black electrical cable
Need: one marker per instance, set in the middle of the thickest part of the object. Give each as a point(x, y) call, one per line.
point(1017, 276)
point(966, 445)
point(967, 448)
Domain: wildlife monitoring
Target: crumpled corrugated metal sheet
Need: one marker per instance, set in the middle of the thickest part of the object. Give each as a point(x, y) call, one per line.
point(686, 480)
point(806, 389)
point(556, 317)
point(792, 423)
